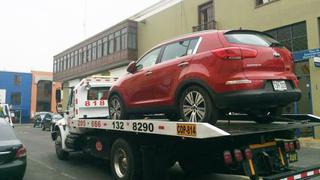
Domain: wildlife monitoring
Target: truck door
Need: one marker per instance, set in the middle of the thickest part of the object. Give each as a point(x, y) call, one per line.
point(71, 107)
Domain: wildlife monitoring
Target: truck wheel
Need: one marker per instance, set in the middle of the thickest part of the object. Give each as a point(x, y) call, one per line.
point(196, 106)
point(116, 108)
point(61, 154)
point(265, 116)
point(125, 161)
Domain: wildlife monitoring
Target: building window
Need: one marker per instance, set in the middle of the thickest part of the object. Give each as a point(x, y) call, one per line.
point(124, 38)
point(60, 65)
point(111, 44)
point(206, 17)
point(105, 46)
point(55, 65)
point(65, 63)
point(69, 61)
point(72, 60)
point(89, 52)
point(76, 58)
point(85, 55)
point(94, 51)
point(132, 39)
point(117, 41)
point(294, 36)
point(99, 49)
point(262, 2)
point(80, 56)
point(16, 98)
point(17, 79)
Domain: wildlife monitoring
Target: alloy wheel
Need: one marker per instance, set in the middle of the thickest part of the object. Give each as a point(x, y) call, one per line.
point(115, 109)
point(194, 107)
point(121, 162)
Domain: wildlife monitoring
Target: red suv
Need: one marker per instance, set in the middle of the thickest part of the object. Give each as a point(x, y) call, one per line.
point(200, 76)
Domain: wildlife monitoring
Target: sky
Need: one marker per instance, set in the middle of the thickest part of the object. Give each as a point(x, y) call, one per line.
point(33, 31)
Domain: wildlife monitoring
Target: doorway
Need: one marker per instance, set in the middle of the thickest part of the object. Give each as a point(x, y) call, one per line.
point(44, 94)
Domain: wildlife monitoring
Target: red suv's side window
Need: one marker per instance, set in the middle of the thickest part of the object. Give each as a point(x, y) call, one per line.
point(179, 49)
point(149, 59)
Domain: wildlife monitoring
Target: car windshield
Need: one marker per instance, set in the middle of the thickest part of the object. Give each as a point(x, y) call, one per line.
point(251, 38)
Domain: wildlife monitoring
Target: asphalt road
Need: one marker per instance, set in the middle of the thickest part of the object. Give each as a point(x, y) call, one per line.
point(43, 163)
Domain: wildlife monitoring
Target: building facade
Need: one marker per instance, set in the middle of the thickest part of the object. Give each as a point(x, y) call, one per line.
point(17, 88)
point(43, 96)
point(107, 53)
point(294, 23)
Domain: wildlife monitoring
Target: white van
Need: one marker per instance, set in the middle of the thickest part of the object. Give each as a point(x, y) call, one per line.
point(6, 114)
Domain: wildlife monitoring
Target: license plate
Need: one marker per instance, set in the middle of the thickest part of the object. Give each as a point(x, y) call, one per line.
point(187, 130)
point(293, 157)
point(279, 85)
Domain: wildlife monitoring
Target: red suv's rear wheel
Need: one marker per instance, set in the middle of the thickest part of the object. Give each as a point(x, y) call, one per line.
point(196, 106)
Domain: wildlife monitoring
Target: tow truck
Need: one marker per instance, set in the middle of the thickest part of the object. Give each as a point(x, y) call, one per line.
point(145, 148)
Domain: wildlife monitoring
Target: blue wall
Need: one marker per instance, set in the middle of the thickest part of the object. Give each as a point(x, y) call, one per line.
point(7, 81)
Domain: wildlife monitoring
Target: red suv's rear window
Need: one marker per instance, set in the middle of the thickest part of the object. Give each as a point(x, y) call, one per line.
point(251, 38)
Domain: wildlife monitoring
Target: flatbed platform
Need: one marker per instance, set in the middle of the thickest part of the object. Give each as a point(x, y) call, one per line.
point(236, 128)
point(196, 130)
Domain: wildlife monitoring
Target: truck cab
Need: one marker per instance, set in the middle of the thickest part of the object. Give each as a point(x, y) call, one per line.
point(89, 98)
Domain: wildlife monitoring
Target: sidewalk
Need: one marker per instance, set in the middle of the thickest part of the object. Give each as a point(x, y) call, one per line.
point(310, 142)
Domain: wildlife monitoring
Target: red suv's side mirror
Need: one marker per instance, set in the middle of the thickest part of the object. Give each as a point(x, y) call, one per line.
point(132, 67)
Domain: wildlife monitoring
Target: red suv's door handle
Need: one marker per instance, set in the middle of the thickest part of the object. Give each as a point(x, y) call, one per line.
point(183, 64)
point(148, 73)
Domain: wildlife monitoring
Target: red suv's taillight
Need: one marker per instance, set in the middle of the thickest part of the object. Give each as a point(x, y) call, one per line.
point(22, 152)
point(235, 53)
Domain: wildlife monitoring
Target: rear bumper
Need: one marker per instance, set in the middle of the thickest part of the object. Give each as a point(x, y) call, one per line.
point(256, 98)
point(297, 173)
point(15, 168)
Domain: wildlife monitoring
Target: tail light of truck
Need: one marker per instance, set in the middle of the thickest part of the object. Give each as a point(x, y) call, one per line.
point(286, 147)
point(248, 154)
point(22, 152)
point(227, 157)
point(235, 53)
point(238, 155)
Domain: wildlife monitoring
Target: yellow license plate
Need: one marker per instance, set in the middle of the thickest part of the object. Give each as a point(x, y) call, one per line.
point(293, 157)
point(187, 130)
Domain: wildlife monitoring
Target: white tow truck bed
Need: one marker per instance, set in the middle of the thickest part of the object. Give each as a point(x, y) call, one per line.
point(194, 130)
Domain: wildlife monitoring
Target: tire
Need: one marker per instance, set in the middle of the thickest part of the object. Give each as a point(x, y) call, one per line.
point(117, 109)
point(125, 162)
point(61, 154)
point(202, 111)
point(265, 116)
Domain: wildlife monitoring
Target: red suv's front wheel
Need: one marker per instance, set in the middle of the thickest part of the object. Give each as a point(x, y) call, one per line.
point(116, 108)
point(196, 106)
